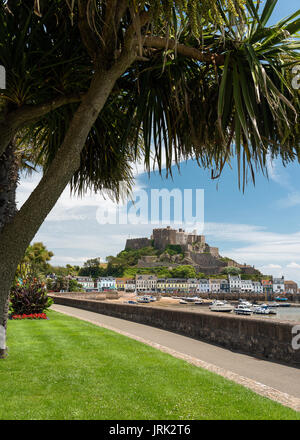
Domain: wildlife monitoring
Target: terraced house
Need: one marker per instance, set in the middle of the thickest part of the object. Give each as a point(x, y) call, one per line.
point(146, 283)
point(267, 286)
point(257, 287)
point(291, 287)
point(106, 283)
point(87, 283)
point(225, 286)
point(172, 285)
point(130, 285)
point(215, 285)
point(246, 286)
point(121, 283)
point(278, 285)
point(203, 286)
point(235, 283)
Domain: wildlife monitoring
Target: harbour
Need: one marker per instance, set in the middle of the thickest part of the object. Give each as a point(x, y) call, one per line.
point(283, 313)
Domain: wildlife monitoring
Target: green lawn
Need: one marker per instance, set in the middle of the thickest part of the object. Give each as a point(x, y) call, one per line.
point(65, 368)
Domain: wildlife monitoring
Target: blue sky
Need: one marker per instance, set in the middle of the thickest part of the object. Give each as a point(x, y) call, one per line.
point(260, 227)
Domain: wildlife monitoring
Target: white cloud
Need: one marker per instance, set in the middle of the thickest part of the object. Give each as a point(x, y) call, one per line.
point(278, 174)
point(271, 266)
point(292, 199)
point(293, 265)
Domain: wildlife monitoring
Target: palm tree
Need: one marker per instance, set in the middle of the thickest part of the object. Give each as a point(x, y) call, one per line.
point(94, 85)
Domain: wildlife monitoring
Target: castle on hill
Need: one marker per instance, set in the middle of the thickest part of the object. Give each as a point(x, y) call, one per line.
point(195, 250)
point(162, 237)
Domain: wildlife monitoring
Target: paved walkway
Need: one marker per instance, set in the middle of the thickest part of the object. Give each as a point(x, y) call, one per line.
point(277, 381)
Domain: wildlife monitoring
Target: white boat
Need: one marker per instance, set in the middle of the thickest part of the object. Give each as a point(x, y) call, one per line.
point(245, 303)
point(264, 306)
point(255, 306)
point(143, 299)
point(221, 306)
point(198, 302)
point(182, 301)
point(243, 309)
point(273, 304)
point(261, 311)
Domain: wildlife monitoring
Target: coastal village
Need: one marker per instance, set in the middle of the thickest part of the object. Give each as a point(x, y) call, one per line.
point(153, 284)
point(176, 248)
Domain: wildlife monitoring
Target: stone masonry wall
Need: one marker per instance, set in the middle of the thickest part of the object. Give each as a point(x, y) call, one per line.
point(263, 338)
point(137, 243)
point(207, 261)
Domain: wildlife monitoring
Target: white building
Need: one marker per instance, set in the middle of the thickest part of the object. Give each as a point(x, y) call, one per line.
point(146, 283)
point(257, 287)
point(246, 286)
point(87, 283)
point(235, 283)
point(130, 285)
point(192, 285)
point(278, 285)
point(106, 283)
point(203, 286)
point(214, 285)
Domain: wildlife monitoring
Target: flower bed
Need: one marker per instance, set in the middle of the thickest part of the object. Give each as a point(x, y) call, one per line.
point(31, 316)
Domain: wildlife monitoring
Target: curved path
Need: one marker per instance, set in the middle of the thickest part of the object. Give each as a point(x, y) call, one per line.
point(274, 380)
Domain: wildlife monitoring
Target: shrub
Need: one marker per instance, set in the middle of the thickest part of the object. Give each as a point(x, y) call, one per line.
point(29, 297)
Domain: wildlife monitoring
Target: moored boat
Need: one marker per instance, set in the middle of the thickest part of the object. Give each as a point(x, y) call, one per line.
point(220, 306)
point(190, 299)
point(242, 309)
point(273, 304)
point(261, 311)
point(143, 299)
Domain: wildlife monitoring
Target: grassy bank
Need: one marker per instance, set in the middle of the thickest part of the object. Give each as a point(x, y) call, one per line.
point(65, 368)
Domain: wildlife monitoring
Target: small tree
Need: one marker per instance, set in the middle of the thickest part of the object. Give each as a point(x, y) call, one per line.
point(35, 261)
point(91, 268)
point(74, 286)
point(231, 270)
point(185, 271)
point(60, 283)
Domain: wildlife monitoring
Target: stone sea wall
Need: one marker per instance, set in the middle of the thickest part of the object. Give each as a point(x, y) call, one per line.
point(259, 337)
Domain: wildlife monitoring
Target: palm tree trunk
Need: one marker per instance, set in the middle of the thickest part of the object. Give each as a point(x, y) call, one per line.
point(17, 234)
point(8, 186)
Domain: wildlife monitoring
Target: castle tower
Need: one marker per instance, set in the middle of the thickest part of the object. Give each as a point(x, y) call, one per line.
point(163, 237)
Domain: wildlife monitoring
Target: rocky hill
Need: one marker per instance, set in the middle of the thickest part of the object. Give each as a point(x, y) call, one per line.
point(170, 248)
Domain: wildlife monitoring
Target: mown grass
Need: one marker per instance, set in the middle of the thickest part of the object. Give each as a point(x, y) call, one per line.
point(65, 368)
